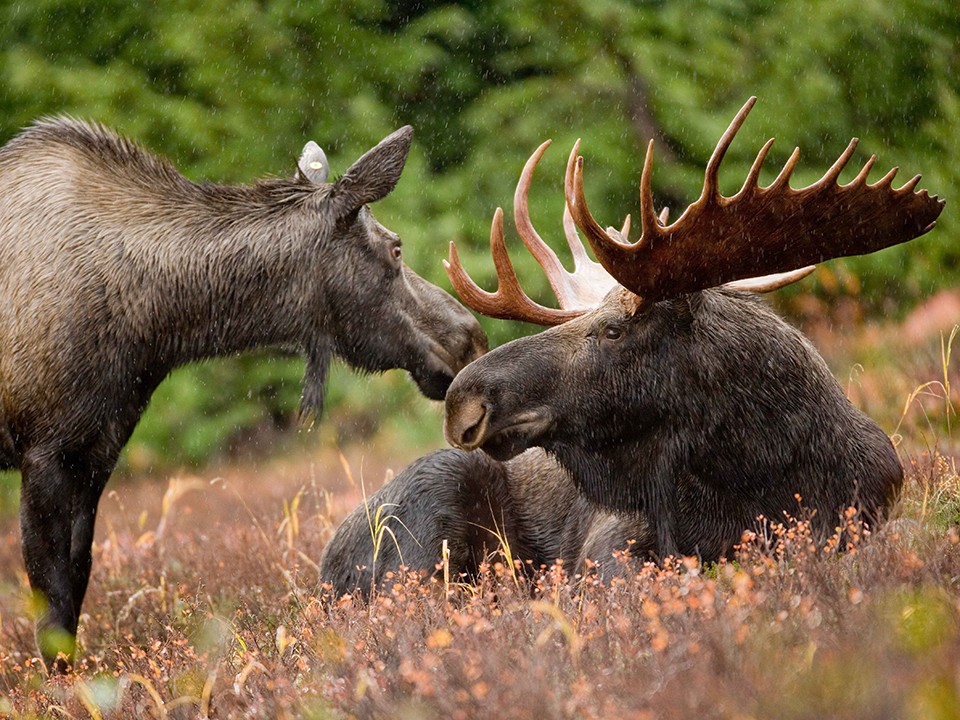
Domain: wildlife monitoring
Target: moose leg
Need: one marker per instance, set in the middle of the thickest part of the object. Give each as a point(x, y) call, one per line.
point(84, 515)
point(46, 504)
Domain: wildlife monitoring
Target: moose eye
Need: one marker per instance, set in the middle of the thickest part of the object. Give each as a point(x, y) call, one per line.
point(397, 253)
point(612, 332)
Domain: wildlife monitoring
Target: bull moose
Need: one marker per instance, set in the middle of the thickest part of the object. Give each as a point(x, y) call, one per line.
point(115, 269)
point(669, 406)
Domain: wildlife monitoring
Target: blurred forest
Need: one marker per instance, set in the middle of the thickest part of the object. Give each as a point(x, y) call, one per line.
point(231, 90)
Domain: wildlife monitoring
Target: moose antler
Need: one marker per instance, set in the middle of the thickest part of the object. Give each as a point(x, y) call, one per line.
point(577, 292)
point(509, 302)
point(584, 288)
point(758, 231)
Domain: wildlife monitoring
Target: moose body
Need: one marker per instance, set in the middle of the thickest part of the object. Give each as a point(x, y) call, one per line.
point(474, 504)
point(680, 408)
point(709, 413)
point(115, 269)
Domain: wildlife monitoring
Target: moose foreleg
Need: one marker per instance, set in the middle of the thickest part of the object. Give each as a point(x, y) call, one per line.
point(57, 513)
point(46, 505)
point(85, 500)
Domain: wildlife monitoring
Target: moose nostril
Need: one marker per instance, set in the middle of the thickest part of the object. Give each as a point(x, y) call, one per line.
point(470, 434)
point(466, 423)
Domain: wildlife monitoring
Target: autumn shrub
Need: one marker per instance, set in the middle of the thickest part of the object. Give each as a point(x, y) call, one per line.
point(217, 610)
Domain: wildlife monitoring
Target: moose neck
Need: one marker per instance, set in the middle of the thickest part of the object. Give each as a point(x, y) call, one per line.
point(630, 474)
point(232, 273)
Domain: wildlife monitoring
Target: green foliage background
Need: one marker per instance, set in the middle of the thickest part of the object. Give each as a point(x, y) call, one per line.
point(230, 91)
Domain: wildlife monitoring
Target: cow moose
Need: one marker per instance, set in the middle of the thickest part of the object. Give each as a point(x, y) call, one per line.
point(115, 269)
point(668, 406)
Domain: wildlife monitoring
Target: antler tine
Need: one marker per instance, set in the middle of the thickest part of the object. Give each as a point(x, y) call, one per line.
point(833, 173)
point(782, 181)
point(585, 287)
point(761, 231)
point(864, 171)
point(570, 229)
point(649, 224)
point(509, 302)
point(577, 249)
point(623, 234)
point(589, 279)
point(751, 184)
point(908, 186)
point(711, 182)
point(769, 283)
point(613, 255)
point(887, 179)
point(592, 281)
point(543, 253)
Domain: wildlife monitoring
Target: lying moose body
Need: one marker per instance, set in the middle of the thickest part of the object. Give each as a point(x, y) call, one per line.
point(678, 407)
point(684, 403)
point(115, 269)
point(473, 502)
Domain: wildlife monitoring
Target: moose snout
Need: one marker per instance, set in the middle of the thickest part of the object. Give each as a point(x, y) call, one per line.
point(466, 421)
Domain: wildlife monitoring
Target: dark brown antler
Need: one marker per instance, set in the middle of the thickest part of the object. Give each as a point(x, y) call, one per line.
point(758, 231)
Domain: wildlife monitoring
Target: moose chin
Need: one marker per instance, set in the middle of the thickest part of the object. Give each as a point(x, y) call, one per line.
point(668, 408)
point(116, 269)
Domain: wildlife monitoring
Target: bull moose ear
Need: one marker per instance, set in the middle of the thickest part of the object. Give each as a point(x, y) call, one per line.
point(312, 164)
point(375, 174)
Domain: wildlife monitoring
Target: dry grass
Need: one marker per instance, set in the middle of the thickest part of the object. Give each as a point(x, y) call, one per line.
point(205, 602)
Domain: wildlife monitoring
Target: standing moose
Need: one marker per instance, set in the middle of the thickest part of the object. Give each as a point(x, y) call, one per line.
point(669, 407)
point(115, 269)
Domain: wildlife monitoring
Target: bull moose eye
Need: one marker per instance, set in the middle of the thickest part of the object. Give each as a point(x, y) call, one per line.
point(397, 253)
point(612, 332)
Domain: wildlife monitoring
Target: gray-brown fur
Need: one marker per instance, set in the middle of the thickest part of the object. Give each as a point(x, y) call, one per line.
point(703, 414)
point(468, 499)
point(117, 269)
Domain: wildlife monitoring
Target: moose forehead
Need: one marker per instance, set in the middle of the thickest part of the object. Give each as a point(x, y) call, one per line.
point(618, 304)
point(371, 229)
point(367, 217)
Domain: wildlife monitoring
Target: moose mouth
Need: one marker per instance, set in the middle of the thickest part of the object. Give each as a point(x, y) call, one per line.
point(434, 385)
point(500, 439)
point(434, 376)
point(440, 366)
point(510, 441)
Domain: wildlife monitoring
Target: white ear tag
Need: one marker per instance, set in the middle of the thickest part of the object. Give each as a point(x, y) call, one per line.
point(313, 163)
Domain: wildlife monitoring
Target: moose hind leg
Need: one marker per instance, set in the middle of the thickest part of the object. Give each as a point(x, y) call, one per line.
point(46, 508)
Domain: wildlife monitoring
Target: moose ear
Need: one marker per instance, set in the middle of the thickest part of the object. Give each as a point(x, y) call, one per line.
point(375, 174)
point(312, 164)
